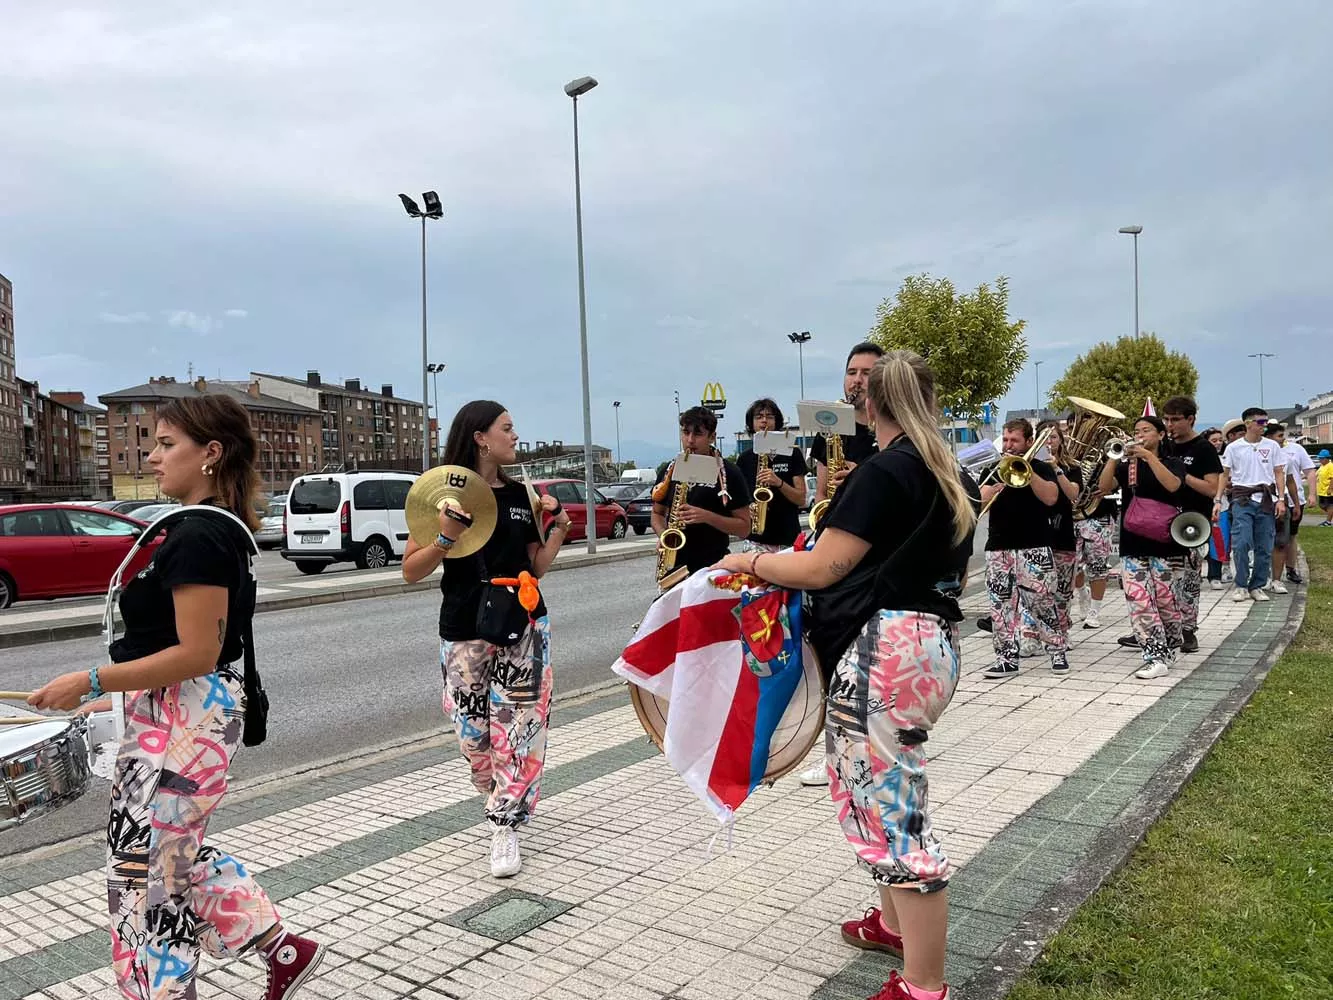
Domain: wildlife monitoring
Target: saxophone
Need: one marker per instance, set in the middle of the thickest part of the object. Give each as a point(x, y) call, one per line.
point(834, 461)
point(673, 537)
point(762, 497)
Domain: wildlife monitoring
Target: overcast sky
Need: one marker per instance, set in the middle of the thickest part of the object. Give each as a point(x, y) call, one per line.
point(219, 189)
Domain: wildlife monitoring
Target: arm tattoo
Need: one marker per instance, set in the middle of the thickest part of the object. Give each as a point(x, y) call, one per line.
point(222, 631)
point(839, 568)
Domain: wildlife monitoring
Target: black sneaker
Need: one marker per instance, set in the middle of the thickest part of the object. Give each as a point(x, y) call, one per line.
point(985, 624)
point(1189, 641)
point(1001, 671)
point(1060, 665)
point(1132, 641)
point(1293, 576)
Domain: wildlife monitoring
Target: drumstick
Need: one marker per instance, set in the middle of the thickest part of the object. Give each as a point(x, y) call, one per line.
point(15, 695)
point(24, 720)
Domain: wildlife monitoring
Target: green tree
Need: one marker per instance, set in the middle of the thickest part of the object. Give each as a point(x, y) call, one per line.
point(968, 339)
point(1125, 374)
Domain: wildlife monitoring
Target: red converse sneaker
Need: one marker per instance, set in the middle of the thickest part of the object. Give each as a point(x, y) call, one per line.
point(869, 933)
point(897, 989)
point(291, 961)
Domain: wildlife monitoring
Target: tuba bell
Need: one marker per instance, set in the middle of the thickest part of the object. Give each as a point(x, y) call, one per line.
point(1089, 443)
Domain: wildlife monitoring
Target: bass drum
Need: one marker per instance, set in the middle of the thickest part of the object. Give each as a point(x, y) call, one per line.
point(800, 728)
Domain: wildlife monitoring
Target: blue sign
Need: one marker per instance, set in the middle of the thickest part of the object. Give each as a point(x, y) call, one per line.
point(985, 413)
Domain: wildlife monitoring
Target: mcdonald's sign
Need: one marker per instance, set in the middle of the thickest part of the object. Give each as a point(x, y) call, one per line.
point(714, 398)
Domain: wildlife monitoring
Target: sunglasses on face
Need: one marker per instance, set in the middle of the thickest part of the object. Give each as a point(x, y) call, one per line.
point(1260, 420)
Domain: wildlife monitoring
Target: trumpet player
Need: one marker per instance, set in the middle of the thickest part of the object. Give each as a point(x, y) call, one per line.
point(712, 513)
point(856, 447)
point(1064, 539)
point(1020, 567)
point(782, 475)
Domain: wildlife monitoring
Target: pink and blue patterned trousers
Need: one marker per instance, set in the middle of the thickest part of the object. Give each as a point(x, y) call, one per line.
point(1153, 612)
point(888, 691)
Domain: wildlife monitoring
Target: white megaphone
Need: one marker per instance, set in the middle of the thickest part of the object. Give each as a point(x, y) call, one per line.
point(1190, 529)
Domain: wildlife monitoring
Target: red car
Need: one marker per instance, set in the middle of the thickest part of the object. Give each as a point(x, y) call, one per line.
point(63, 550)
point(612, 521)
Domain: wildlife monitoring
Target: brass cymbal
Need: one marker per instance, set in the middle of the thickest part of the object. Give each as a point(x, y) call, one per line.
point(467, 490)
point(534, 498)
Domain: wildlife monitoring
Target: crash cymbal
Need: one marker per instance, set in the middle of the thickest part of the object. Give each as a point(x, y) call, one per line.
point(467, 490)
point(534, 498)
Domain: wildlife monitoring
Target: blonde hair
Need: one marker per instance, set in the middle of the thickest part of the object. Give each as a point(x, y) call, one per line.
point(902, 389)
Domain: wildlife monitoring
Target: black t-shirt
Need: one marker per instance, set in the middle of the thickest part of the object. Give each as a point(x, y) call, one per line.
point(1062, 514)
point(1018, 520)
point(885, 504)
point(783, 521)
point(204, 549)
point(856, 447)
point(505, 554)
point(1107, 509)
point(1149, 488)
point(704, 544)
point(1198, 458)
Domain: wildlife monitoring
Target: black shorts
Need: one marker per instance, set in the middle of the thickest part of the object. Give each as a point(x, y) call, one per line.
point(1326, 503)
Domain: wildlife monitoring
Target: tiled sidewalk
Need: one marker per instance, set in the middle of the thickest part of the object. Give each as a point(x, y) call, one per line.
point(625, 891)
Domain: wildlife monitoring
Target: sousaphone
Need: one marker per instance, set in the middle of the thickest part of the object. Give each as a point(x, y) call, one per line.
point(457, 485)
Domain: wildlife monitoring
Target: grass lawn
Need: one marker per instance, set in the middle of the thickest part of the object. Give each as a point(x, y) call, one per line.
point(1231, 894)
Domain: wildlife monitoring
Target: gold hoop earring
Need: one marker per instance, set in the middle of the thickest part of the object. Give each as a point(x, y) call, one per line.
point(485, 450)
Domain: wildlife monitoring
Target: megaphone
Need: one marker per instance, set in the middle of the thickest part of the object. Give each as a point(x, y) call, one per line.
point(1190, 529)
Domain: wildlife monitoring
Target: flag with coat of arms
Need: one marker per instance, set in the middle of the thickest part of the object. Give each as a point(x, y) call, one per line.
point(725, 652)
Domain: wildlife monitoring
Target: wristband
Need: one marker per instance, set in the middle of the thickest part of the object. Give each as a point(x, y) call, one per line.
point(558, 508)
point(753, 560)
point(94, 685)
point(443, 541)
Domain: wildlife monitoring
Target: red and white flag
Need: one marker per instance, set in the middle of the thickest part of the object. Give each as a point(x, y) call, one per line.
point(1148, 410)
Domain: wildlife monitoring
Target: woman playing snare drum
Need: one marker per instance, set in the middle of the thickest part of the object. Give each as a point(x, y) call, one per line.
point(179, 663)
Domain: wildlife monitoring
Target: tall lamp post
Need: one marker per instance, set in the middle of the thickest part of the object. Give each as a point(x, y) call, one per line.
point(677, 395)
point(1134, 231)
point(1037, 367)
point(800, 340)
point(1261, 357)
point(433, 210)
point(576, 89)
point(616, 404)
point(434, 369)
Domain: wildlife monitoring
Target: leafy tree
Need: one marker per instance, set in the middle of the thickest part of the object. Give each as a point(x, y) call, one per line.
point(968, 339)
point(1125, 374)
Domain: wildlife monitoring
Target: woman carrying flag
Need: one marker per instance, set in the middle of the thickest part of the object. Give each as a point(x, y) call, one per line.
point(883, 575)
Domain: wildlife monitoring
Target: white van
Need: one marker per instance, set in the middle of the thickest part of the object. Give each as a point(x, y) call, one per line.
point(347, 517)
point(645, 476)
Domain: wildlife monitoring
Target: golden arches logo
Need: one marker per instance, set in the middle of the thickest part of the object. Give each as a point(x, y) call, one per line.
point(714, 397)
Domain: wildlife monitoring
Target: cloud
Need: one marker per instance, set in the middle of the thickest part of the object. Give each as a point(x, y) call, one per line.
point(124, 318)
point(237, 313)
point(184, 319)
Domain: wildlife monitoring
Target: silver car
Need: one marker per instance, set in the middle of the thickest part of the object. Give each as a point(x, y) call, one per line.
point(270, 534)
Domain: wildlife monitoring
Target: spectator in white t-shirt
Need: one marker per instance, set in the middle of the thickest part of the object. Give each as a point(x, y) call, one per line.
point(1254, 478)
point(1300, 469)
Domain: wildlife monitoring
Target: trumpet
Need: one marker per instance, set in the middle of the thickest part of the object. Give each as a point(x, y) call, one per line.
point(1115, 450)
point(1014, 470)
point(762, 497)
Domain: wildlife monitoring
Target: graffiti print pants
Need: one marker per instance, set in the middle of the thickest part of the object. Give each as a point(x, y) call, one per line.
point(169, 895)
point(1153, 614)
point(1026, 579)
point(1066, 568)
point(1186, 585)
point(499, 699)
point(1096, 543)
point(888, 691)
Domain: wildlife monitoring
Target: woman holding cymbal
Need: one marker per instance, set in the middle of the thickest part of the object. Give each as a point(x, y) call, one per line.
point(495, 652)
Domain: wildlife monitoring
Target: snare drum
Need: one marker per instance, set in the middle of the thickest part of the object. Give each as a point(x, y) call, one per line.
point(43, 766)
point(798, 731)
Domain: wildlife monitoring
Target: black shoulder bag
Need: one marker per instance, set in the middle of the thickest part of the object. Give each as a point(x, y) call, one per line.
point(501, 619)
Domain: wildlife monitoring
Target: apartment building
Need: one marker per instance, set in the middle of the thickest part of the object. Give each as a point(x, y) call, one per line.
point(94, 451)
point(50, 446)
point(289, 434)
point(359, 427)
point(1315, 420)
point(12, 472)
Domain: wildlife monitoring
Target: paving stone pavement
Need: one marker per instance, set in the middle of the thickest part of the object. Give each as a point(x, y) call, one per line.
point(626, 891)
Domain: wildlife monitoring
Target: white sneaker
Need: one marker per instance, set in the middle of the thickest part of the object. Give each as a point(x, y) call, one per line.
point(1240, 595)
point(1150, 671)
point(814, 777)
point(1277, 587)
point(1094, 620)
point(1259, 595)
point(1217, 585)
point(1028, 647)
point(505, 860)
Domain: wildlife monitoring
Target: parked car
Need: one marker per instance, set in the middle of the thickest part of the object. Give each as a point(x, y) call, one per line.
point(271, 533)
point(63, 550)
point(621, 493)
point(152, 511)
point(124, 506)
point(346, 517)
point(810, 482)
point(640, 511)
point(611, 519)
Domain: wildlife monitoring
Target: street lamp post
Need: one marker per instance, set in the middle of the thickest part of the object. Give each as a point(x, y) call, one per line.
point(1037, 367)
point(576, 89)
point(1261, 357)
point(616, 404)
point(434, 369)
point(433, 210)
point(1134, 231)
point(677, 395)
point(800, 340)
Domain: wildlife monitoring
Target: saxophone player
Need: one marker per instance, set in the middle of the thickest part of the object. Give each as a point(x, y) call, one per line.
point(782, 475)
point(710, 513)
point(858, 447)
